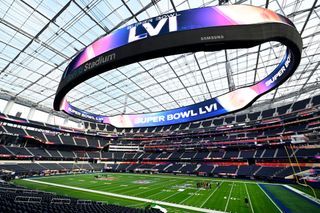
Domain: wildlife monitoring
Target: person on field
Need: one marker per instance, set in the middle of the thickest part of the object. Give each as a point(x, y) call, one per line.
point(246, 200)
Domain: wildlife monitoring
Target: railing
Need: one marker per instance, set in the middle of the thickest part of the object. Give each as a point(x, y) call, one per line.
point(60, 201)
point(27, 199)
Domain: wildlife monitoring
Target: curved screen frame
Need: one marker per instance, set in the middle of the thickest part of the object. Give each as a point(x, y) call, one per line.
point(203, 29)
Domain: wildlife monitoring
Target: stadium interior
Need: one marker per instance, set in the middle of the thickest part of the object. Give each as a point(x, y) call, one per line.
point(273, 143)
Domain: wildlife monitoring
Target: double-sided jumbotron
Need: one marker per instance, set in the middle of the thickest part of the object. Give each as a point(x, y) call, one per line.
point(205, 29)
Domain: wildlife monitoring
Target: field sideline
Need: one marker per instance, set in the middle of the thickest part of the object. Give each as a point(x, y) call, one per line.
point(176, 193)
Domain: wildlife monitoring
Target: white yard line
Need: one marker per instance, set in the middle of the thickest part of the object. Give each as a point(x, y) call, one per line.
point(270, 199)
point(142, 185)
point(303, 194)
point(173, 195)
point(163, 191)
point(211, 195)
point(225, 209)
point(245, 185)
point(153, 194)
point(128, 197)
point(153, 188)
point(189, 196)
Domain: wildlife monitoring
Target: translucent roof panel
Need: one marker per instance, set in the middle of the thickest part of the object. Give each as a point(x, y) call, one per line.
point(39, 38)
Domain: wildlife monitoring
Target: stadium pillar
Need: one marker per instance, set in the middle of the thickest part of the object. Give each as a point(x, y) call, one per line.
point(65, 122)
point(31, 113)
point(8, 107)
point(50, 118)
point(231, 84)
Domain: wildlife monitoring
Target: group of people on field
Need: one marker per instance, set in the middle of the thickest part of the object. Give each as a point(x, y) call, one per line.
point(205, 185)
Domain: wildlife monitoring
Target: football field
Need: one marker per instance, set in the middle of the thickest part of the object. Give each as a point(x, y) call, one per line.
point(176, 193)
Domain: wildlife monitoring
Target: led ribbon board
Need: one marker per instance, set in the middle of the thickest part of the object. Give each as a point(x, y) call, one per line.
point(203, 29)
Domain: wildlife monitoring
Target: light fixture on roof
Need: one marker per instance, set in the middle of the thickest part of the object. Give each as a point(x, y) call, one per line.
point(222, 2)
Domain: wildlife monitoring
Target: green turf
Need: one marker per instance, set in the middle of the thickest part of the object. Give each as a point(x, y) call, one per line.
point(292, 200)
point(228, 197)
point(258, 201)
point(307, 190)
